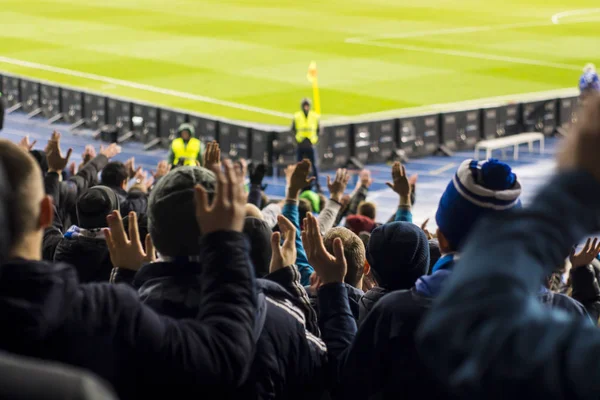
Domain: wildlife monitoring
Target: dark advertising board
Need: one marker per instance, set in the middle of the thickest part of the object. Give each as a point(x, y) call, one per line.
point(11, 90)
point(206, 129)
point(334, 146)
point(71, 105)
point(30, 95)
point(49, 100)
point(94, 110)
point(567, 111)
point(169, 122)
point(500, 121)
point(420, 135)
point(461, 129)
point(119, 115)
point(361, 141)
point(283, 150)
point(383, 141)
point(233, 141)
point(145, 122)
point(540, 116)
point(260, 144)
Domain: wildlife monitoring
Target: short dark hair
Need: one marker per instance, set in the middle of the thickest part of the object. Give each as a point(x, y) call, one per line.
point(368, 209)
point(354, 251)
point(114, 174)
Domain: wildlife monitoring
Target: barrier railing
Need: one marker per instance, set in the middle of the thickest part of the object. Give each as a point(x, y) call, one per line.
point(356, 142)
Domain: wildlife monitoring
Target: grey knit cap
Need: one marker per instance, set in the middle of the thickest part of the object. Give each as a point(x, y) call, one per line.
point(171, 211)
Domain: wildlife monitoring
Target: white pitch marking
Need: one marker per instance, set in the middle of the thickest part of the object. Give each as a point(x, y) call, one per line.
point(471, 54)
point(442, 169)
point(585, 11)
point(141, 86)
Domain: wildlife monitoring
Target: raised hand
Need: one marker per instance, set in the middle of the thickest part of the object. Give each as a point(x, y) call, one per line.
point(329, 268)
point(283, 254)
point(212, 155)
point(228, 209)
point(299, 178)
point(25, 144)
point(257, 173)
point(365, 178)
point(337, 187)
point(162, 169)
point(400, 183)
point(89, 153)
point(127, 253)
point(112, 150)
point(590, 251)
point(424, 229)
point(56, 161)
point(130, 166)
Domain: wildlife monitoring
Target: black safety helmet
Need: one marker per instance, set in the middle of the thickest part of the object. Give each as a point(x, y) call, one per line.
point(305, 101)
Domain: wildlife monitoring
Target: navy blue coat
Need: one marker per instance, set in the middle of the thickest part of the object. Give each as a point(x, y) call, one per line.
point(46, 313)
point(290, 362)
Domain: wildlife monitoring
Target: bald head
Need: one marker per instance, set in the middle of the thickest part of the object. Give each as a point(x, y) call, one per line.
point(27, 189)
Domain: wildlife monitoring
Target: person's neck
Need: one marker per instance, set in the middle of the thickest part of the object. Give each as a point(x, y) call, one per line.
point(30, 248)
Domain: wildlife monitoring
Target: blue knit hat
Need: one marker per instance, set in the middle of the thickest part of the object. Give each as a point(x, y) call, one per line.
point(477, 189)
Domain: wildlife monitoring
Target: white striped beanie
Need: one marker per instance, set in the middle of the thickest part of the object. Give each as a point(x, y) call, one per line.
point(478, 188)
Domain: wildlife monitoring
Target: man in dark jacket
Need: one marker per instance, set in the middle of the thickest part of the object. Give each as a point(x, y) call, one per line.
point(398, 254)
point(290, 361)
point(104, 328)
point(487, 335)
point(84, 245)
point(116, 176)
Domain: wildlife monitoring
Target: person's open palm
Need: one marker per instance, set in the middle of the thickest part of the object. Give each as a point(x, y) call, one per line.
point(283, 254)
point(329, 267)
point(400, 183)
point(590, 251)
point(299, 178)
point(127, 253)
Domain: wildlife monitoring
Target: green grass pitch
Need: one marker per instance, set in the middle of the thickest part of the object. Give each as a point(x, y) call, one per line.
point(247, 60)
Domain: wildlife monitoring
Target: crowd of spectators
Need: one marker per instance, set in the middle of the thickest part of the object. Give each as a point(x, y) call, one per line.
point(189, 282)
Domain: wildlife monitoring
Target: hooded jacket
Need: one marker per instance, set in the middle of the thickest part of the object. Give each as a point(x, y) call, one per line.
point(104, 328)
point(289, 363)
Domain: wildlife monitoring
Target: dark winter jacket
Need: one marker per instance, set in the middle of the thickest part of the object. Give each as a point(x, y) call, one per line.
point(104, 328)
point(368, 301)
point(383, 360)
point(134, 200)
point(90, 257)
point(488, 336)
point(65, 193)
point(290, 362)
point(584, 282)
point(354, 296)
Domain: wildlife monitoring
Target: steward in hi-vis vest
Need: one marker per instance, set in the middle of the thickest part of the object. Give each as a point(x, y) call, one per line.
point(306, 128)
point(186, 149)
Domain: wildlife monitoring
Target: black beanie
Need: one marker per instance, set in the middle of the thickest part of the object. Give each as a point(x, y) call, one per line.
point(259, 233)
point(94, 205)
point(172, 212)
point(398, 254)
point(41, 159)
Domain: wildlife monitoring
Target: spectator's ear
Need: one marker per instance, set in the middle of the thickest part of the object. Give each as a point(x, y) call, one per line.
point(366, 269)
point(46, 212)
point(445, 247)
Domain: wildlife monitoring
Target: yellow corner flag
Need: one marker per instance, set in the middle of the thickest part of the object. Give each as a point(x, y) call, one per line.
point(312, 77)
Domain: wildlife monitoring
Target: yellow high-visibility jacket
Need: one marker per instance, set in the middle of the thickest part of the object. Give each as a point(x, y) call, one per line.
point(306, 126)
point(189, 151)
